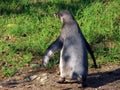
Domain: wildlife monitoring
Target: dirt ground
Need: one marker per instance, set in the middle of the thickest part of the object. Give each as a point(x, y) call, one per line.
point(105, 78)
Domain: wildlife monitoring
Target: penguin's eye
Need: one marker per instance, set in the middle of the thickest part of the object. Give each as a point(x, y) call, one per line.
point(60, 15)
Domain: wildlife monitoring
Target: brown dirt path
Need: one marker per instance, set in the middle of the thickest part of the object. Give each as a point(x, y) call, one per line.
point(105, 78)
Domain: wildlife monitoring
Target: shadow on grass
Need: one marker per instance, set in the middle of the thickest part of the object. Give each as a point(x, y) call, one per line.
point(102, 78)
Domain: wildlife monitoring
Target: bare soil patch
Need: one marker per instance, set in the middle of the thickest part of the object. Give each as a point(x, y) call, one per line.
point(105, 78)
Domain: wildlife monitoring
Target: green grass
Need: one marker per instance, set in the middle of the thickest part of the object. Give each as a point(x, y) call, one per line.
point(27, 27)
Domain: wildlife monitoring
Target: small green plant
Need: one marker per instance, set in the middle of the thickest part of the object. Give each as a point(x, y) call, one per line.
point(7, 71)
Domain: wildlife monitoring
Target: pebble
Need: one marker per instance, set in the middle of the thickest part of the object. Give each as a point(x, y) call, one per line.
point(1, 86)
point(38, 78)
point(44, 78)
point(33, 77)
point(34, 65)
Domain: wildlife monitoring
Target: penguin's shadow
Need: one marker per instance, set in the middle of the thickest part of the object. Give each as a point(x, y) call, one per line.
point(102, 78)
point(98, 79)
